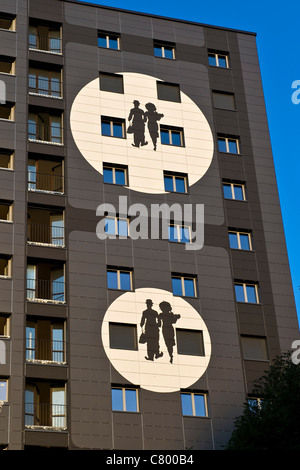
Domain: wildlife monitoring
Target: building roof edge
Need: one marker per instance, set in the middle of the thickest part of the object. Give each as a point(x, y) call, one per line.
point(78, 2)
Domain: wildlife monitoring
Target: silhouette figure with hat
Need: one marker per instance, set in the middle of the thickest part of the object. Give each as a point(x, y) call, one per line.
point(150, 319)
point(137, 116)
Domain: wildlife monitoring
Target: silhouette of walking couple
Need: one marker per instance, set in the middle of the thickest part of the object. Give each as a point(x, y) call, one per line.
point(151, 322)
point(139, 118)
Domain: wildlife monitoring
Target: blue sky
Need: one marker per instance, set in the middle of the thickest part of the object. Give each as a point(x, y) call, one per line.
point(277, 28)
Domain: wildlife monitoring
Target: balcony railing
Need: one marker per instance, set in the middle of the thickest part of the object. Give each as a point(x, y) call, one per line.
point(45, 43)
point(45, 415)
point(45, 182)
point(45, 290)
point(46, 234)
point(45, 86)
point(45, 133)
point(45, 350)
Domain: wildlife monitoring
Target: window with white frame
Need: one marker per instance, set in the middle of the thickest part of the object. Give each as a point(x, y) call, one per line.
point(228, 144)
point(184, 285)
point(179, 233)
point(120, 279)
point(115, 225)
point(235, 191)
point(108, 40)
point(246, 292)
point(240, 240)
point(113, 127)
point(124, 399)
point(175, 182)
point(218, 59)
point(164, 50)
point(115, 174)
point(172, 136)
point(194, 404)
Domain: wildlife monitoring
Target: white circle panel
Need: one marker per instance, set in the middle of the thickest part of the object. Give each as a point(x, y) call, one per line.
point(160, 373)
point(145, 166)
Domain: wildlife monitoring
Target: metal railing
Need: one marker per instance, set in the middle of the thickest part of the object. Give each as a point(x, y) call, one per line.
point(40, 289)
point(52, 133)
point(45, 182)
point(45, 43)
point(45, 86)
point(45, 350)
point(45, 414)
point(48, 234)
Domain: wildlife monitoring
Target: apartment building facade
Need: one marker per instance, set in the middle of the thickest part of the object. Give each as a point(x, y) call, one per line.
point(128, 111)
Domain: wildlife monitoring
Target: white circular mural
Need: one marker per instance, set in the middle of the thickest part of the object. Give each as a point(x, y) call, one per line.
point(177, 346)
point(145, 166)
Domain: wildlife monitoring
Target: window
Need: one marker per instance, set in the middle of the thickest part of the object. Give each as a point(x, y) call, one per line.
point(7, 111)
point(120, 279)
point(115, 225)
point(115, 175)
point(234, 191)
point(4, 325)
point(179, 233)
point(245, 292)
point(45, 82)
point(109, 40)
point(7, 22)
point(113, 127)
point(7, 65)
point(176, 183)
point(228, 145)
point(111, 82)
point(3, 390)
point(123, 336)
point(223, 100)
point(46, 38)
point(184, 285)
point(254, 348)
point(124, 399)
point(45, 341)
point(240, 240)
point(218, 59)
point(5, 266)
point(45, 174)
point(45, 128)
point(168, 92)
point(172, 136)
point(5, 211)
point(194, 404)
point(164, 50)
point(190, 342)
point(6, 158)
point(255, 403)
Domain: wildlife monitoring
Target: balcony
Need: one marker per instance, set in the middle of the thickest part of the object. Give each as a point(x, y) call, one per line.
point(46, 235)
point(51, 133)
point(45, 175)
point(45, 342)
point(50, 42)
point(46, 282)
point(46, 227)
point(45, 406)
point(48, 86)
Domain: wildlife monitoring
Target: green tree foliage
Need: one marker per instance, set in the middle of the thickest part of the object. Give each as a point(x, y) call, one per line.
point(275, 423)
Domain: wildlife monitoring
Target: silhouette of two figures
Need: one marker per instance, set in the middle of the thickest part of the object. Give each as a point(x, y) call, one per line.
point(139, 119)
point(152, 321)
